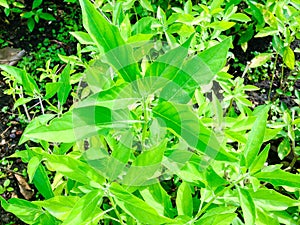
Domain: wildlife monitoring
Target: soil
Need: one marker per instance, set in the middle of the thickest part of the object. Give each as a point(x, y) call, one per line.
point(11, 126)
point(14, 31)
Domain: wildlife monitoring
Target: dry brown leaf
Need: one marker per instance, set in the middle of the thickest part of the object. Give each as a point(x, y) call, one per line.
point(25, 189)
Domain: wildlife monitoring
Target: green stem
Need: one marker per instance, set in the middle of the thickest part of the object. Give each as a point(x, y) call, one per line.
point(201, 211)
point(145, 125)
point(115, 209)
point(273, 75)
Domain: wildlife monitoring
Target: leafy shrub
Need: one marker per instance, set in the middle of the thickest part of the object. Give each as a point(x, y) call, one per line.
point(135, 150)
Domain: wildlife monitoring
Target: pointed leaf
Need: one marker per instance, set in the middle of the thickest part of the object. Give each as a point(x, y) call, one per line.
point(27, 211)
point(184, 123)
point(58, 206)
point(65, 87)
point(247, 206)
point(73, 168)
point(135, 207)
point(158, 198)
point(184, 201)
point(260, 160)
point(108, 37)
point(279, 178)
point(86, 209)
point(145, 167)
point(271, 200)
point(256, 135)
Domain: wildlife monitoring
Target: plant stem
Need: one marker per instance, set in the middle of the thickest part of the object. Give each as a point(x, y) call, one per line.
point(273, 75)
point(145, 125)
point(115, 209)
point(42, 107)
point(24, 105)
point(201, 211)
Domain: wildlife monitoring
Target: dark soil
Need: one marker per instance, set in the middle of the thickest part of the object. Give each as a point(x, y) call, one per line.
point(14, 31)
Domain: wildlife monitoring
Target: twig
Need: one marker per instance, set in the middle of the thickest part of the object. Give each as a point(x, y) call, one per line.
point(24, 105)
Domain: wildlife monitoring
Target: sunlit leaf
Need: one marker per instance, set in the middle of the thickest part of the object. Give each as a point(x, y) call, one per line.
point(107, 37)
point(247, 206)
point(136, 207)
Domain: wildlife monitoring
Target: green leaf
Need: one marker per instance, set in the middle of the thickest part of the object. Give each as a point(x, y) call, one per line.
point(179, 77)
point(218, 215)
point(260, 160)
point(32, 166)
point(271, 200)
point(189, 166)
point(241, 17)
point(289, 57)
point(51, 89)
point(213, 179)
point(83, 37)
point(47, 16)
point(21, 101)
point(27, 211)
point(278, 44)
point(267, 31)
point(284, 148)
point(260, 59)
point(65, 87)
point(86, 209)
point(184, 123)
point(42, 182)
point(4, 4)
point(247, 206)
point(146, 166)
point(108, 37)
point(36, 3)
point(30, 24)
point(74, 169)
point(135, 207)
point(264, 217)
point(144, 26)
point(255, 137)
point(279, 178)
point(221, 25)
point(147, 5)
point(117, 97)
point(58, 206)
point(215, 57)
point(38, 175)
point(158, 198)
point(256, 13)
point(188, 7)
point(80, 123)
point(23, 78)
point(184, 200)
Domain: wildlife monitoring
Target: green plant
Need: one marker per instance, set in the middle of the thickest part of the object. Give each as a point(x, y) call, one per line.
point(33, 17)
point(36, 14)
point(136, 151)
point(5, 187)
